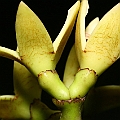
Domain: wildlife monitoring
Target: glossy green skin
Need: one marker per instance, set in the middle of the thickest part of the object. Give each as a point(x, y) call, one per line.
point(71, 109)
point(84, 80)
point(50, 82)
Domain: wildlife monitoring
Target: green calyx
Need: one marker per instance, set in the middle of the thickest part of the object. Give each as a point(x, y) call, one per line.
point(84, 80)
point(50, 82)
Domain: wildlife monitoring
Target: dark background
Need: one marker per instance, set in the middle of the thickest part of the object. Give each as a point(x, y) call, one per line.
point(53, 14)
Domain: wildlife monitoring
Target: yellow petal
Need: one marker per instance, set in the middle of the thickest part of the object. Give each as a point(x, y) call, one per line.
point(65, 32)
point(71, 68)
point(80, 40)
point(13, 108)
point(11, 54)
point(103, 46)
point(34, 43)
point(25, 83)
point(91, 27)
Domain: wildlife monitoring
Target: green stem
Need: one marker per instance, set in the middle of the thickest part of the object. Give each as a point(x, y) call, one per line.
point(71, 109)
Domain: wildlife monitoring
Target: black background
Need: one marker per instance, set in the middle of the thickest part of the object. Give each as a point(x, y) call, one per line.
point(53, 14)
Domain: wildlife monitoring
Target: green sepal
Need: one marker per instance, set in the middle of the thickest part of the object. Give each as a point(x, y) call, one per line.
point(50, 82)
point(84, 80)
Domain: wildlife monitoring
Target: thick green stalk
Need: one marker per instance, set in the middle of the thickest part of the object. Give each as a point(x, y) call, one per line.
point(71, 109)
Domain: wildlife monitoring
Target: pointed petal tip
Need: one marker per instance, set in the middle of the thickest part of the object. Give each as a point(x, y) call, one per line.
point(22, 4)
point(97, 18)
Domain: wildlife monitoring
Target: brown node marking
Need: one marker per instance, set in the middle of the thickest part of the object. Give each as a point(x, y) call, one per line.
point(52, 71)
